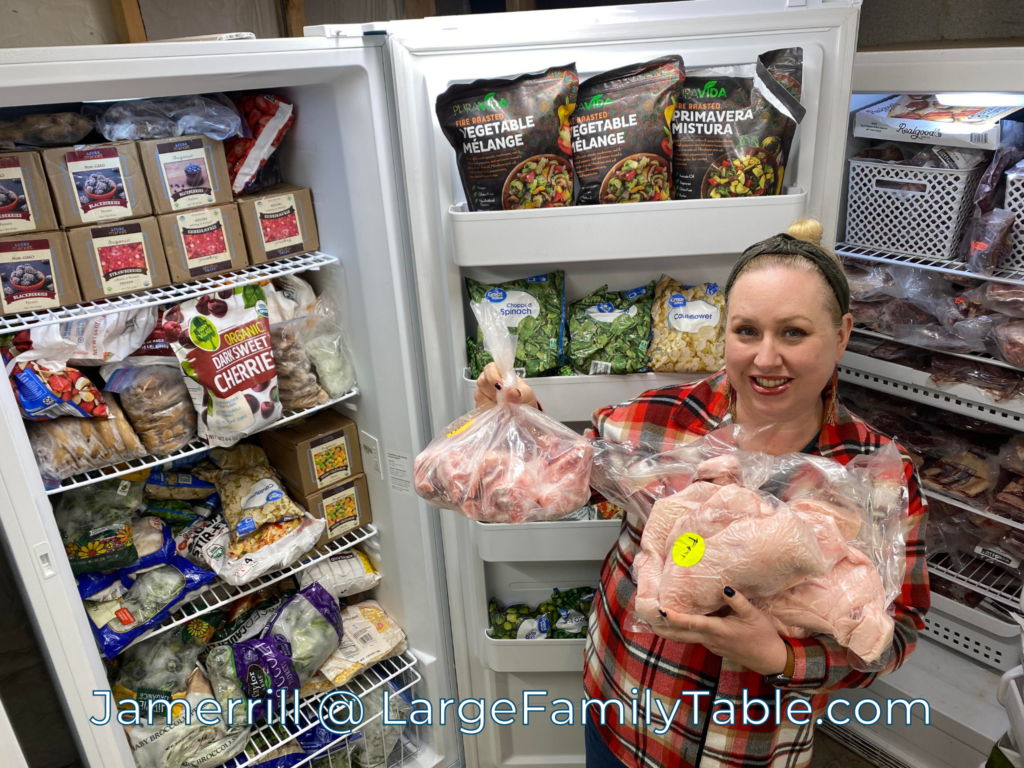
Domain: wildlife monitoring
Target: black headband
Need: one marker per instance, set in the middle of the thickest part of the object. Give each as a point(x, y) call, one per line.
point(787, 245)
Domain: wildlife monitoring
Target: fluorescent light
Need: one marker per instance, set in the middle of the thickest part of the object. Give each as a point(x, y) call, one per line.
point(981, 99)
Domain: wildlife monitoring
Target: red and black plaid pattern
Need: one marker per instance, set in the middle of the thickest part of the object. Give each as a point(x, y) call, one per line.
point(621, 665)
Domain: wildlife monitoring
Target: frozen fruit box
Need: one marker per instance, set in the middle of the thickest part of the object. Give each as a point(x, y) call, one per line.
point(278, 222)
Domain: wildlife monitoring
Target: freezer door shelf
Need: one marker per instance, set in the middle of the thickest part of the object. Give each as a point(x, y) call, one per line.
point(616, 232)
point(912, 384)
point(533, 655)
point(169, 294)
point(558, 541)
point(978, 635)
point(575, 398)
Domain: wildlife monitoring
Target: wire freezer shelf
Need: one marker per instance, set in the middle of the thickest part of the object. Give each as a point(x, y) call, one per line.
point(979, 575)
point(220, 594)
point(267, 738)
point(170, 294)
point(966, 505)
point(847, 251)
point(980, 357)
point(194, 447)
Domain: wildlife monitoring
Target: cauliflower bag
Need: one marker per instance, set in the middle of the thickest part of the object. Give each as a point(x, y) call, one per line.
point(509, 463)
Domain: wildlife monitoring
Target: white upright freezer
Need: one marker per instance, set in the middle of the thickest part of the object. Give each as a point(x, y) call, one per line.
point(391, 212)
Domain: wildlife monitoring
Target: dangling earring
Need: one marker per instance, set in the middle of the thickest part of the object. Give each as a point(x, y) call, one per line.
point(833, 400)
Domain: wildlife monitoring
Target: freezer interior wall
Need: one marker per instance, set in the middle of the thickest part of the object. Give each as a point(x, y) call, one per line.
point(339, 147)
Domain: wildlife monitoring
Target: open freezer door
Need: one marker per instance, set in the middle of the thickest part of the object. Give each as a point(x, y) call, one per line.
point(340, 147)
point(450, 244)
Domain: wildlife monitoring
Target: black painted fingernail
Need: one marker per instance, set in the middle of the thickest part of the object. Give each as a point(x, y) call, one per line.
point(730, 592)
point(663, 613)
point(497, 386)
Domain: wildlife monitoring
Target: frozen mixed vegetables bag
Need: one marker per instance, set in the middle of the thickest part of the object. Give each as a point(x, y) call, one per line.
point(688, 327)
point(95, 523)
point(509, 463)
point(533, 311)
point(150, 600)
point(250, 667)
point(311, 622)
point(252, 498)
point(609, 331)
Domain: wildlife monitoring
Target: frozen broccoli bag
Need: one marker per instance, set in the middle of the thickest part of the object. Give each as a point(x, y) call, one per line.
point(311, 622)
point(533, 311)
point(150, 600)
point(95, 523)
point(609, 331)
point(247, 669)
point(159, 668)
point(505, 464)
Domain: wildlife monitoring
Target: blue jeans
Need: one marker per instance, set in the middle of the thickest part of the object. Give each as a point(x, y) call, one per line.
point(598, 754)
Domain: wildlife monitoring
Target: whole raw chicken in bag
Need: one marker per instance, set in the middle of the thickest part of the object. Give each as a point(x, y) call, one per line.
point(814, 544)
point(509, 463)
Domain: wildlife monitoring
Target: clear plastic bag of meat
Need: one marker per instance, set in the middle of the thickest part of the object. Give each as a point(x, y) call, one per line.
point(964, 337)
point(296, 382)
point(999, 383)
point(816, 545)
point(1011, 454)
point(1008, 155)
point(164, 118)
point(52, 130)
point(868, 282)
point(902, 312)
point(1009, 339)
point(990, 240)
point(1004, 298)
point(509, 463)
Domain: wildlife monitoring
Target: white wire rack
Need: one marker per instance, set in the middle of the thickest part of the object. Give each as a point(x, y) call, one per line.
point(969, 507)
point(848, 251)
point(168, 294)
point(979, 575)
point(981, 357)
point(220, 594)
point(195, 447)
point(267, 738)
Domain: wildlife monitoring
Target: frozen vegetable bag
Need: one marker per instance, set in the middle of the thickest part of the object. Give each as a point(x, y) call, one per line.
point(509, 463)
point(687, 322)
point(533, 311)
point(311, 622)
point(511, 138)
point(223, 345)
point(621, 141)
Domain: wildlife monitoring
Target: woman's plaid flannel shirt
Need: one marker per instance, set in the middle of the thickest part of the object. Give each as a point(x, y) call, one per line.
point(620, 665)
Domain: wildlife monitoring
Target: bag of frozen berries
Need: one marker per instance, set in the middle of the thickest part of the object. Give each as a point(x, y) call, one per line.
point(223, 345)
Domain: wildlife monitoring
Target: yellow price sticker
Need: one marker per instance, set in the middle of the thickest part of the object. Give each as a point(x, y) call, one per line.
point(463, 428)
point(688, 550)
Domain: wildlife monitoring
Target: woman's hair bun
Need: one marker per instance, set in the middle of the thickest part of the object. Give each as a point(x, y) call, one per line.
point(808, 230)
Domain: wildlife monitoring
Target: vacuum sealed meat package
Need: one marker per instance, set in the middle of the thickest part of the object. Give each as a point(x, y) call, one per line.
point(223, 345)
point(621, 137)
point(511, 138)
point(990, 239)
point(729, 139)
point(1004, 298)
point(509, 463)
point(1009, 337)
point(815, 544)
point(998, 383)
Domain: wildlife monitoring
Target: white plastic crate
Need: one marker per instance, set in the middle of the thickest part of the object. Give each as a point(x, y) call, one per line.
point(1015, 204)
point(984, 638)
point(924, 220)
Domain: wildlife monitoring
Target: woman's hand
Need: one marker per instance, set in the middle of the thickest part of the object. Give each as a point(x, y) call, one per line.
point(489, 383)
point(746, 636)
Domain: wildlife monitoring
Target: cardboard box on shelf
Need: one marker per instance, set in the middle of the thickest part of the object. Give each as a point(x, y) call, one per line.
point(97, 183)
point(202, 242)
point(185, 172)
point(344, 507)
point(316, 453)
point(23, 179)
point(46, 253)
point(123, 257)
point(278, 222)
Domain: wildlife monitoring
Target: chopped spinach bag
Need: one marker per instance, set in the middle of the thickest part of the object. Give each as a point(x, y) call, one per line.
point(95, 523)
point(570, 612)
point(311, 622)
point(609, 331)
point(517, 622)
point(534, 311)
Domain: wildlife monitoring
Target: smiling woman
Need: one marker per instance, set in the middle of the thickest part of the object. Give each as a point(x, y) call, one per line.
point(787, 326)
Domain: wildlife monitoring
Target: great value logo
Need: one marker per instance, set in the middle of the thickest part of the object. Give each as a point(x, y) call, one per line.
point(677, 300)
point(495, 295)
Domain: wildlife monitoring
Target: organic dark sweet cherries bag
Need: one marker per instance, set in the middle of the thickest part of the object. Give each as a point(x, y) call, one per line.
point(511, 138)
point(621, 143)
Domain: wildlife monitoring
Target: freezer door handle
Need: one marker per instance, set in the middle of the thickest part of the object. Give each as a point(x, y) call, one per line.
point(45, 560)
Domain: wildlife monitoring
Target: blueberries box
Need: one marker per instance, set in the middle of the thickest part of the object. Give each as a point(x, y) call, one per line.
point(202, 242)
point(25, 204)
point(278, 222)
point(36, 273)
point(185, 172)
point(97, 183)
point(116, 258)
